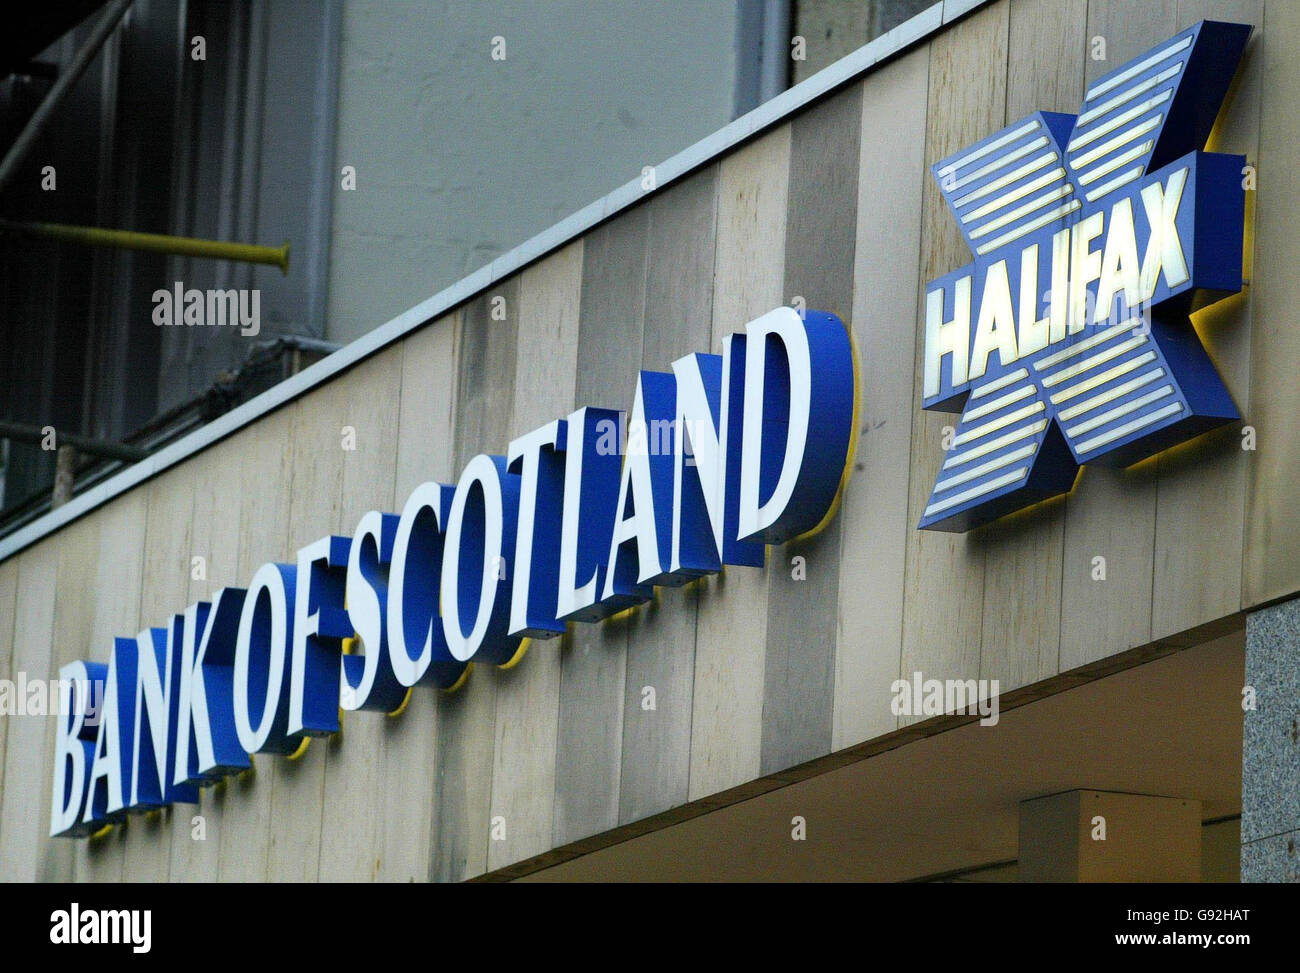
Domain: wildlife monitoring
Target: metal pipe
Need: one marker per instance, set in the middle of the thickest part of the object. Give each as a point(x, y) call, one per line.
point(94, 236)
point(774, 68)
point(302, 342)
point(94, 447)
point(66, 462)
point(32, 130)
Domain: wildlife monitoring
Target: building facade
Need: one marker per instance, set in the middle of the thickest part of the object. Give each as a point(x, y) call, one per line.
point(1141, 628)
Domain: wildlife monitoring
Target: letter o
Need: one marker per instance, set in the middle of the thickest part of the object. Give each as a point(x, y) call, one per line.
point(262, 660)
point(474, 618)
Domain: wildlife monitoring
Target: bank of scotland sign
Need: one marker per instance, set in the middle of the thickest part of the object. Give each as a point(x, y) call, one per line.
point(1067, 341)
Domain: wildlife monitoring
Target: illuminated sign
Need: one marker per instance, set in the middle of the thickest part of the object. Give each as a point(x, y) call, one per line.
point(1067, 341)
point(581, 519)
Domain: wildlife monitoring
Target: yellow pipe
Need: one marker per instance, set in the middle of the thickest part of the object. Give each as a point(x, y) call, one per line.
point(94, 236)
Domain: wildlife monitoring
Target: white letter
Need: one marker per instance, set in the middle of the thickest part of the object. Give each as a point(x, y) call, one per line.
point(483, 472)
point(784, 325)
point(527, 450)
point(269, 584)
point(640, 526)
point(951, 338)
point(1164, 249)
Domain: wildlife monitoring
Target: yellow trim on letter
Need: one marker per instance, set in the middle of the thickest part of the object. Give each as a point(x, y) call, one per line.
point(302, 748)
point(406, 700)
point(464, 677)
point(518, 656)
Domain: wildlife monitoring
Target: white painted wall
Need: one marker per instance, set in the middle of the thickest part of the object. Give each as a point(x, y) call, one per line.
point(460, 157)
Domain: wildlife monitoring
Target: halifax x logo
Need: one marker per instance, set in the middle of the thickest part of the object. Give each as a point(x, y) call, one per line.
point(1067, 341)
